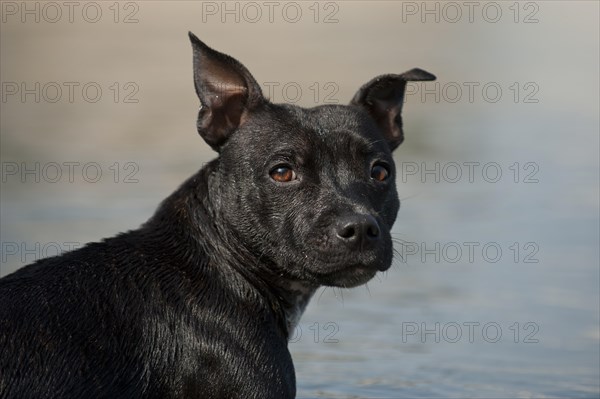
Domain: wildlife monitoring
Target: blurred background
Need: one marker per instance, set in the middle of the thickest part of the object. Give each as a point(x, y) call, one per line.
point(495, 292)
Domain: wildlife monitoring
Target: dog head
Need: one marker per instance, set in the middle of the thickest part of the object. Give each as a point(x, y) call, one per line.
point(310, 190)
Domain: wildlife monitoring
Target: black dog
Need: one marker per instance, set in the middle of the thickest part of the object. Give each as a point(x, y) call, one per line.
point(199, 302)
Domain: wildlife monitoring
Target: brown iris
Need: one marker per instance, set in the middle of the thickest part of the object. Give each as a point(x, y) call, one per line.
point(282, 174)
point(379, 172)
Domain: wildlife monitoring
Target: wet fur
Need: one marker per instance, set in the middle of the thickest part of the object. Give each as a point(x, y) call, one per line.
point(200, 301)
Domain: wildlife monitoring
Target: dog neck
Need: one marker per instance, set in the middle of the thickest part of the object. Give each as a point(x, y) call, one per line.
point(295, 296)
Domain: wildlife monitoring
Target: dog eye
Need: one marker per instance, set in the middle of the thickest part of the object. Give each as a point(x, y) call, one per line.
point(380, 172)
point(282, 174)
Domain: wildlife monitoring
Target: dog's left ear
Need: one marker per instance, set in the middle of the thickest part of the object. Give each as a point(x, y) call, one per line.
point(227, 93)
point(383, 97)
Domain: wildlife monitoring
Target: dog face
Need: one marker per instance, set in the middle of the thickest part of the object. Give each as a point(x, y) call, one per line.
point(310, 190)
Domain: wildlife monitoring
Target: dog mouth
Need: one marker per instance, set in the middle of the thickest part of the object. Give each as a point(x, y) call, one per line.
point(327, 262)
point(348, 275)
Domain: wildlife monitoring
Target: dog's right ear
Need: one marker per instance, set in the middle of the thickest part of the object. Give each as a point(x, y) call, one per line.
point(227, 93)
point(383, 98)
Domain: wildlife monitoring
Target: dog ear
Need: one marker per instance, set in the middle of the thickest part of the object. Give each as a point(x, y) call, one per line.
point(227, 92)
point(383, 97)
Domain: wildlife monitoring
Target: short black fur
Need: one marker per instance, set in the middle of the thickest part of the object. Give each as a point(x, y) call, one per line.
point(199, 302)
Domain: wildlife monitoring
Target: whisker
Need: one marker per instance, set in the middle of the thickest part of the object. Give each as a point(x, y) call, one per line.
point(322, 292)
point(409, 197)
point(340, 298)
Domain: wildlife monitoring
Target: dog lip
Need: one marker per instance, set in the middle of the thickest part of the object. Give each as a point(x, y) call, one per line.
point(383, 267)
point(349, 263)
point(354, 267)
point(348, 277)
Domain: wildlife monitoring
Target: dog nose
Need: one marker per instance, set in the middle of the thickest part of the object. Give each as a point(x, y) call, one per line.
point(357, 231)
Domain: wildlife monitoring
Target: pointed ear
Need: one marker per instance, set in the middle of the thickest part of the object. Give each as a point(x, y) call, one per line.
point(227, 93)
point(383, 97)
